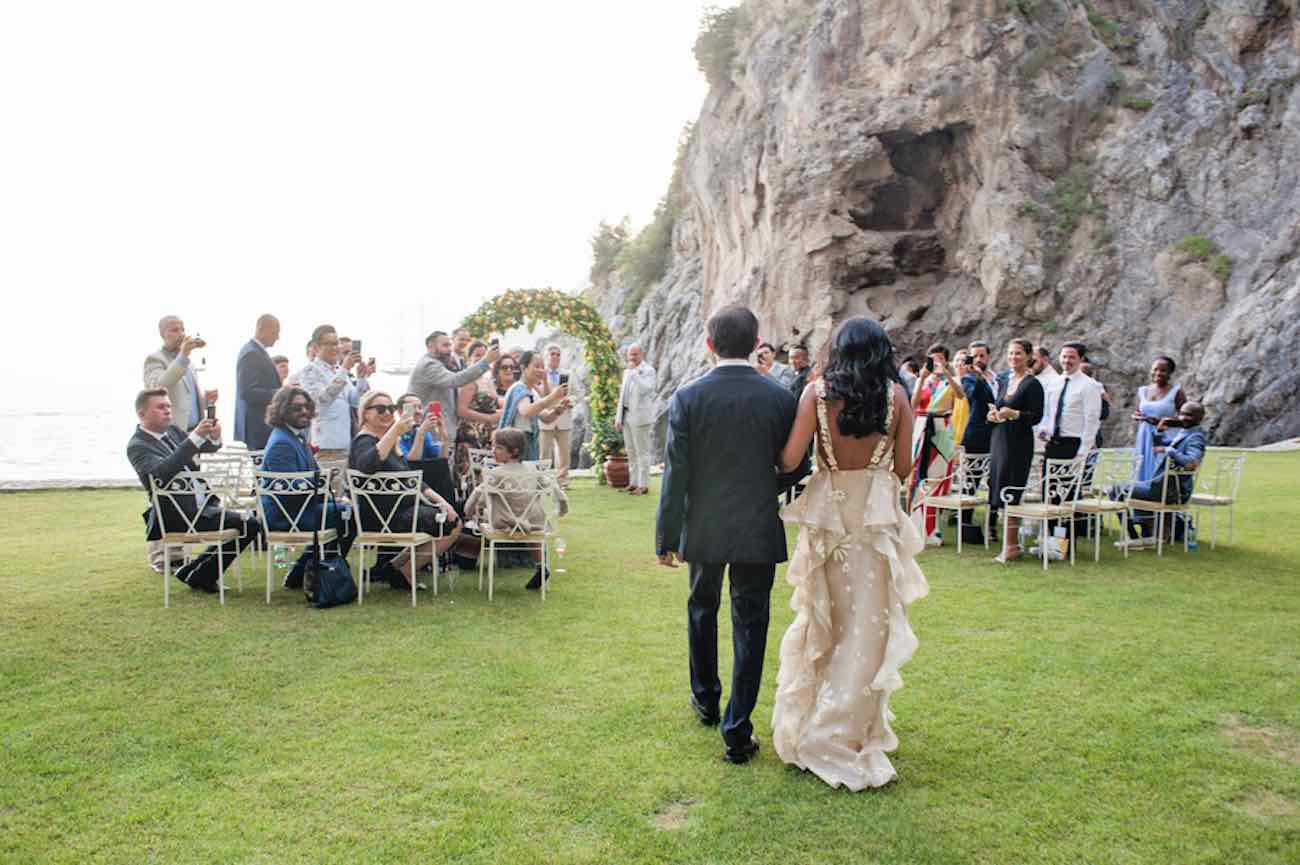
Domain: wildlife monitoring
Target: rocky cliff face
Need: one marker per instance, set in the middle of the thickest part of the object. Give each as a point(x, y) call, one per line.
point(1122, 173)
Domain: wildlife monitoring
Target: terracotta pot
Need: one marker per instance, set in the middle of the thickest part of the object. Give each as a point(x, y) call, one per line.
point(616, 471)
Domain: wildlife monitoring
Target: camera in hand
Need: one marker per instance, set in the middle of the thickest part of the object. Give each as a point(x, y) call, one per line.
point(564, 379)
point(356, 346)
point(212, 409)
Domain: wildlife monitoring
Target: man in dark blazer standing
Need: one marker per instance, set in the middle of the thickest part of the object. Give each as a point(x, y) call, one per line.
point(160, 449)
point(718, 510)
point(256, 381)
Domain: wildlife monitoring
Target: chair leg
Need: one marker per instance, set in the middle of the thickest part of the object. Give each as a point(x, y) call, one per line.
point(546, 572)
point(415, 574)
point(1072, 539)
point(986, 527)
point(1042, 544)
point(491, 566)
point(1214, 526)
point(269, 568)
point(1123, 527)
point(958, 531)
point(221, 575)
point(1096, 536)
point(1160, 532)
point(482, 563)
point(167, 578)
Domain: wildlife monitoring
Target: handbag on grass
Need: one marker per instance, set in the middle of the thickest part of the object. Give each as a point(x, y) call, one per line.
point(328, 581)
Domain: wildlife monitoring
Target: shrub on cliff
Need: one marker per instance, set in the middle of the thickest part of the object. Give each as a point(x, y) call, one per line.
point(715, 47)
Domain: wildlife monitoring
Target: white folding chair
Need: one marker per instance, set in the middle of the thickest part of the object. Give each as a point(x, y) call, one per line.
point(1112, 470)
point(384, 495)
point(1172, 475)
point(193, 487)
point(1058, 493)
point(514, 506)
point(291, 495)
point(969, 476)
point(1219, 490)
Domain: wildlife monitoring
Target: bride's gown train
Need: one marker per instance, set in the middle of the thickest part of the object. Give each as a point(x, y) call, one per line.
point(854, 573)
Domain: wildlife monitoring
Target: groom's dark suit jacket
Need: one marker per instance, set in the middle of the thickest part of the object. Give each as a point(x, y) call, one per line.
point(718, 501)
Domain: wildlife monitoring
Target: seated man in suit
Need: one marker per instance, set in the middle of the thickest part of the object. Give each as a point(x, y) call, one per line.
point(159, 449)
point(1183, 449)
point(288, 416)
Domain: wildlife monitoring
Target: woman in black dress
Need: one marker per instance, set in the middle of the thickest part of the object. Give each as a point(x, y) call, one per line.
point(1018, 407)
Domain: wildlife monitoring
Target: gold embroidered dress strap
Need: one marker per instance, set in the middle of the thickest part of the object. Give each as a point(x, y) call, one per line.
point(824, 429)
point(882, 446)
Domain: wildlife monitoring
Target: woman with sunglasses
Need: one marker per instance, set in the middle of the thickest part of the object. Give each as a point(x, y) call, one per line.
point(376, 449)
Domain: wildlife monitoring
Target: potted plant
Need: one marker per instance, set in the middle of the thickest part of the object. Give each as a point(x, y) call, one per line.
point(607, 451)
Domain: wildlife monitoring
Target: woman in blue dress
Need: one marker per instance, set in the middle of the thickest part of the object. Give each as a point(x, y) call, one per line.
point(1159, 399)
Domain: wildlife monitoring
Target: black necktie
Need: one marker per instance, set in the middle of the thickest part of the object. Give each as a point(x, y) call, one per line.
point(1060, 409)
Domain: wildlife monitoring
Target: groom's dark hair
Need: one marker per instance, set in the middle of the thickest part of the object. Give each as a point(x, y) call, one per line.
point(733, 331)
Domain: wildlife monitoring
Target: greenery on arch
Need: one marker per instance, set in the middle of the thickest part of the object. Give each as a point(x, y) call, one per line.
point(529, 307)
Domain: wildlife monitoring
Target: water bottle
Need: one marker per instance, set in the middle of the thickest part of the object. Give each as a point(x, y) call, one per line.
point(1191, 536)
point(281, 558)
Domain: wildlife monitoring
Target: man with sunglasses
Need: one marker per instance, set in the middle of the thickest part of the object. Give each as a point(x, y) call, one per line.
point(434, 379)
point(289, 415)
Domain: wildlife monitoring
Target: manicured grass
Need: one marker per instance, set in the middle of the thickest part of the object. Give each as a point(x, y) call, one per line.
point(1139, 712)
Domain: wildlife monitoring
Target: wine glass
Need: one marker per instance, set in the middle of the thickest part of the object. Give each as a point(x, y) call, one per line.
point(560, 548)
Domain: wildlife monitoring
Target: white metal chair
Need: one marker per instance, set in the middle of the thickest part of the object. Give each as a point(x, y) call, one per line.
point(970, 475)
point(1059, 493)
point(518, 503)
point(1117, 470)
point(1219, 491)
point(192, 487)
point(385, 495)
point(1172, 475)
point(291, 494)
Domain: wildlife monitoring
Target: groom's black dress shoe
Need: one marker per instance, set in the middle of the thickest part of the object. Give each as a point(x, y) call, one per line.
point(743, 754)
point(707, 718)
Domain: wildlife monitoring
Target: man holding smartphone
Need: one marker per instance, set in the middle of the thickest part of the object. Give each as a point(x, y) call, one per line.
point(556, 437)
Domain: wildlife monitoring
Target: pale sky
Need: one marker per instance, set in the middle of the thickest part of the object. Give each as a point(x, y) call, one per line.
point(321, 161)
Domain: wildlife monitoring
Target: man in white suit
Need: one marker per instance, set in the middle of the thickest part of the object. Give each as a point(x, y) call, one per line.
point(556, 437)
point(635, 418)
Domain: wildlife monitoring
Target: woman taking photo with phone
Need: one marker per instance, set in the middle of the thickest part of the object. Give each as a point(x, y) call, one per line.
point(525, 406)
point(934, 448)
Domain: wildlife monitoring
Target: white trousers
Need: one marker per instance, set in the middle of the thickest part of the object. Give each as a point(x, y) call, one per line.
point(554, 445)
point(637, 438)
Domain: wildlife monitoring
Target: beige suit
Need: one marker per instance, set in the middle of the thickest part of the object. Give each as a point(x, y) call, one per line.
point(167, 370)
point(556, 439)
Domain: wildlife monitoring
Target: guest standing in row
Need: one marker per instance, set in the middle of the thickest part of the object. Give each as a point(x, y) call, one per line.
point(933, 447)
point(525, 407)
point(802, 366)
point(326, 379)
point(437, 376)
point(635, 418)
point(169, 368)
point(556, 436)
point(256, 382)
point(1161, 398)
point(1019, 406)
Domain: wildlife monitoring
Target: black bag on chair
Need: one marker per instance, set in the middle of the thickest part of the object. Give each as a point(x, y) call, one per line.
point(328, 581)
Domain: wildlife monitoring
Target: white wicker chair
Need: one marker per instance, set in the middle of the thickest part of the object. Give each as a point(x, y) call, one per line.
point(291, 494)
point(969, 477)
point(1112, 469)
point(1172, 474)
point(192, 486)
point(1058, 494)
point(518, 519)
point(400, 489)
point(1219, 490)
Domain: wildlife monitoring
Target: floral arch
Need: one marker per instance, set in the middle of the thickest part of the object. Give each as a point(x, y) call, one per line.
point(529, 307)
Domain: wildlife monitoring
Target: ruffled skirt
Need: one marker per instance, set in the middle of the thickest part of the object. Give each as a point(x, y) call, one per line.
point(854, 573)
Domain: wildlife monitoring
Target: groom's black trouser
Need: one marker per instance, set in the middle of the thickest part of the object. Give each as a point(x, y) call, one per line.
point(751, 596)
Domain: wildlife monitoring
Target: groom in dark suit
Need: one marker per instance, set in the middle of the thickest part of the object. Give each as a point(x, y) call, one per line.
point(718, 510)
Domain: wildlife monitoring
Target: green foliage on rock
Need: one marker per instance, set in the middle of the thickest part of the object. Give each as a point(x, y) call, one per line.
point(1207, 252)
point(607, 244)
point(716, 45)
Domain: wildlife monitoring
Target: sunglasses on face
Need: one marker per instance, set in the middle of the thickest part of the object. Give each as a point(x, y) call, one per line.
point(383, 409)
point(299, 406)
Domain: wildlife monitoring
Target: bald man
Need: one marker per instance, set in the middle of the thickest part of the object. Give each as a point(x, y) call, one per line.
point(256, 381)
point(169, 368)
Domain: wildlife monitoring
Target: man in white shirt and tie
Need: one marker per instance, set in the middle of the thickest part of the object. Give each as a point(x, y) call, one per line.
point(1071, 409)
point(555, 438)
point(635, 418)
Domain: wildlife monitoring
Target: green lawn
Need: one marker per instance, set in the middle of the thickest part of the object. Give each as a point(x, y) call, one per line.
point(1140, 712)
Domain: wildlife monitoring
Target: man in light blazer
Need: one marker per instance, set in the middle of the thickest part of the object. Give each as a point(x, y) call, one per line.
point(718, 511)
point(256, 381)
point(635, 418)
point(169, 368)
point(556, 437)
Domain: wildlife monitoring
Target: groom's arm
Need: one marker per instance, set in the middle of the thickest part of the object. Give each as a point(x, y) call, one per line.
point(676, 480)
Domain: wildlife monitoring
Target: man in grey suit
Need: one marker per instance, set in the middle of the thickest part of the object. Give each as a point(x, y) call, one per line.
point(169, 368)
point(433, 379)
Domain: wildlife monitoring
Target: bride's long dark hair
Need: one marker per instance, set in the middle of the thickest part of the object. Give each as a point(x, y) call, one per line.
point(861, 371)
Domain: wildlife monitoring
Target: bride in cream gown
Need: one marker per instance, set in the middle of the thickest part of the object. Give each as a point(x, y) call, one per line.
point(854, 568)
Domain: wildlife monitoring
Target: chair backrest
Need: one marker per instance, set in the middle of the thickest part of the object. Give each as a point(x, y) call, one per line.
point(516, 502)
point(385, 495)
point(540, 464)
point(1226, 479)
point(1061, 479)
point(1172, 479)
point(973, 472)
point(187, 486)
point(1116, 469)
point(291, 495)
point(221, 471)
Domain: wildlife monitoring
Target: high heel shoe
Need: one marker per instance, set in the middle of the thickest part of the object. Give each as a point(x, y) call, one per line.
point(1008, 555)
